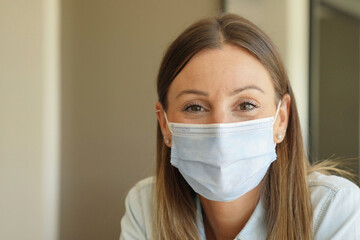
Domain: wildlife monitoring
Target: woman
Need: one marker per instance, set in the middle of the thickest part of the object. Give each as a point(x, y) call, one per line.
point(230, 156)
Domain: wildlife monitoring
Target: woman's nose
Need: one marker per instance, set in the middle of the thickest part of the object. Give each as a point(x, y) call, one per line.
point(221, 116)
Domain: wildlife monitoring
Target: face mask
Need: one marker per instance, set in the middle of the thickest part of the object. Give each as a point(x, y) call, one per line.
point(222, 162)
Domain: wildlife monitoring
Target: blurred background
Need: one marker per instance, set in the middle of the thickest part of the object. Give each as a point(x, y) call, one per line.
point(78, 93)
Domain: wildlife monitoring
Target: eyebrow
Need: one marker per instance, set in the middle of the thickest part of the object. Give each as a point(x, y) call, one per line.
point(246, 88)
point(202, 93)
point(192, 91)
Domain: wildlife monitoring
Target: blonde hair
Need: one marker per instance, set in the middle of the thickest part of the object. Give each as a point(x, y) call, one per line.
point(284, 191)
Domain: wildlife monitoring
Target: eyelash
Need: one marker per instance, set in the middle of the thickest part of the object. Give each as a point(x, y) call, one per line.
point(248, 102)
point(188, 106)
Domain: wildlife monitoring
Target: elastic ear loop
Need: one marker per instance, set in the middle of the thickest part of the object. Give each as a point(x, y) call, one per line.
point(277, 112)
point(167, 122)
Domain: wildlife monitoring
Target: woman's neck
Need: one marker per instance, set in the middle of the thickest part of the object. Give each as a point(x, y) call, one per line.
point(224, 220)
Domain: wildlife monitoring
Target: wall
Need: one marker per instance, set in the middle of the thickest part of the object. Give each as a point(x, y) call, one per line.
point(28, 119)
point(111, 52)
point(335, 95)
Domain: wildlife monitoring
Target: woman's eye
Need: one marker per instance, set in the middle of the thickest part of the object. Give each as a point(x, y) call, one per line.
point(194, 108)
point(247, 106)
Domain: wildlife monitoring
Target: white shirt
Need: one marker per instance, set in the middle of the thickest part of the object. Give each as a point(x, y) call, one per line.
point(335, 201)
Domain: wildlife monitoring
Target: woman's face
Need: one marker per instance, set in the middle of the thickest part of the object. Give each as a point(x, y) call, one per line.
point(223, 86)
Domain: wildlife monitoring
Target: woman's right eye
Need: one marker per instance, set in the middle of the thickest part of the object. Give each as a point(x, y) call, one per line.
point(194, 108)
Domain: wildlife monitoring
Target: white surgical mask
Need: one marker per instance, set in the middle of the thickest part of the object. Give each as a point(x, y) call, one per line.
point(222, 162)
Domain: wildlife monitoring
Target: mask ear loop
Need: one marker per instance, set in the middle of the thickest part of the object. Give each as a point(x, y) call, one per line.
point(277, 112)
point(167, 122)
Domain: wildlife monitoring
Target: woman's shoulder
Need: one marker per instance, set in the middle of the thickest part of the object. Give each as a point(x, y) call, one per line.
point(142, 188)
point(137, 220)
point(335, 202)
point(331, 182)
point(141, 194)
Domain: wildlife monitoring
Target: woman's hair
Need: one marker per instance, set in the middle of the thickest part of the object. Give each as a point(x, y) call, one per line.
point(284, 191)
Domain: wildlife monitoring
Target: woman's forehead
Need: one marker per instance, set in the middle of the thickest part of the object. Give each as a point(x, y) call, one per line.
point(226, 69)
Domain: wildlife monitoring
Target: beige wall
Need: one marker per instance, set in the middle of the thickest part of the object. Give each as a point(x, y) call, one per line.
point(28, 189)
point(111, 52)
point(270, 16)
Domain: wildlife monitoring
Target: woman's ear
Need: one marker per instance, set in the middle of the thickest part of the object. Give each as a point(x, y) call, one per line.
point(282, 119)
point(160, 114)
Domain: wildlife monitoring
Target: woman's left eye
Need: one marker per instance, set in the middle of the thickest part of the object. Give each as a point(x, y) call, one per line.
point(247, 106)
